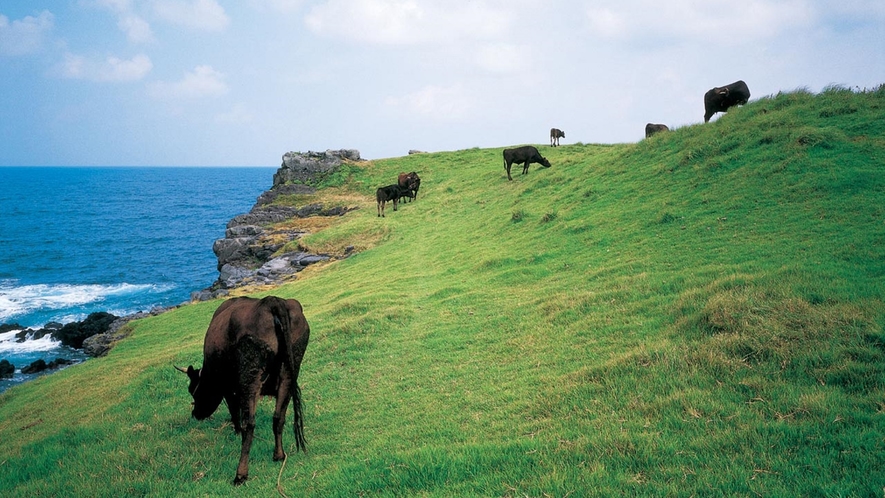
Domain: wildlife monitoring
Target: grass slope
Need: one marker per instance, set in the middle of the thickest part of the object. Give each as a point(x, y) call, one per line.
point(700, 313)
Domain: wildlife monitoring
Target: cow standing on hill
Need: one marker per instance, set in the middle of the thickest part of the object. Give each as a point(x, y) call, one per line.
point(253, 347)
point(409, 182)
point(389, 193)
point(555, 135)
point(720, 98)
point(524, 155)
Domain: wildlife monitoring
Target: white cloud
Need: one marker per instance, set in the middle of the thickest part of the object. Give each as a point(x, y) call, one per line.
point(406, 22)
point(435, 102)
point(203, 81)
point(137, 29)
point(204, 15)
point(24, 36)
point(112, 69)
point(698, 21)
point(116, 69)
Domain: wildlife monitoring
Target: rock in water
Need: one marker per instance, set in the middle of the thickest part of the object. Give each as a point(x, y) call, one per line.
point(6, 369)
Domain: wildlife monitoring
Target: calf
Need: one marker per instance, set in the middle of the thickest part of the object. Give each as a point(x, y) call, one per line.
point(555, 135)
point(524, 155)
point(388, 193)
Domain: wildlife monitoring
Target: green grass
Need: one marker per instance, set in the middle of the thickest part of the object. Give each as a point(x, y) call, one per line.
point(699, 313)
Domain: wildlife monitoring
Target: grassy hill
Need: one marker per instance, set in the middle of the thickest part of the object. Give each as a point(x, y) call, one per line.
point(700, 313)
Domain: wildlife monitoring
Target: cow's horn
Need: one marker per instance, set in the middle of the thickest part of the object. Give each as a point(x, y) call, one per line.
point(180, 369)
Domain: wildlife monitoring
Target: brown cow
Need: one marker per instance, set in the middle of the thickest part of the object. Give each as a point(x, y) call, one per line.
point(410, 182)
point(555, 134)
point(253, 347)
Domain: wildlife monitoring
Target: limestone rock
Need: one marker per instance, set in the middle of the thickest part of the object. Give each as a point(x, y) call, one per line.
point(299, 167)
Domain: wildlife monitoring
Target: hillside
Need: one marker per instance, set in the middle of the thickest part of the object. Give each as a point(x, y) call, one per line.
point(699, 313)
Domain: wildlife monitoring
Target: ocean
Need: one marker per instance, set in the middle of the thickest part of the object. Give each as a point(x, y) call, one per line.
point(76, 240)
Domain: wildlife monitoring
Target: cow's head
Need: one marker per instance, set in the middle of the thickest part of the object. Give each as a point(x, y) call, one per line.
point(206, 399)
point(545, 162)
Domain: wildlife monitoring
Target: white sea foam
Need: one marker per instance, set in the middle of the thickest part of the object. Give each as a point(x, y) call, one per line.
point(8, 344)
point(21, 300)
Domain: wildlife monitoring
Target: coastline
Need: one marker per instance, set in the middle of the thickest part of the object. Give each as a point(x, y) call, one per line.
point(246, 257)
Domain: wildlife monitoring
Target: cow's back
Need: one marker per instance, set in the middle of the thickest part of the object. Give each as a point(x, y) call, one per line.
point(218, 341)
point(520, 154)
point(235, 319)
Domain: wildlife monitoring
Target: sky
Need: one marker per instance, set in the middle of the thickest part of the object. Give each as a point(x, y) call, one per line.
point(240, 83)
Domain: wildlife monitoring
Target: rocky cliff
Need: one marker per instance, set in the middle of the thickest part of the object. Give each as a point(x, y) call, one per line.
point(248, 255)
point(309, 167)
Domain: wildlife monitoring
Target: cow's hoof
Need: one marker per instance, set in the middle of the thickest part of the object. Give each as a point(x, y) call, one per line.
point(278, 458)
point(240, 480)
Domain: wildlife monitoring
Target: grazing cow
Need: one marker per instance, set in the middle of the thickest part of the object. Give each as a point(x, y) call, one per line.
point(253, 347)
point(720, 98)
point(410, 182)
point(555, 134)
point(524, 155)
point(389, 193)
point(651, 129)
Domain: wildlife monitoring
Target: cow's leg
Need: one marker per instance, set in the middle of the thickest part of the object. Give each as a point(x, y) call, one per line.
point(251, 354)
point(379, 209)
point(507, 168)
point(525, 168)
point(248, 404)
point(233, 406)
point(395, 202)
point(284, 395)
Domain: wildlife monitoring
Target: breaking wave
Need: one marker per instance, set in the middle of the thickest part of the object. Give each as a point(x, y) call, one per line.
point(65, 302)
point(9, 344)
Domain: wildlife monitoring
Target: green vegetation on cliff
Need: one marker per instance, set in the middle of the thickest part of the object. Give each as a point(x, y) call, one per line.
point(700, 313)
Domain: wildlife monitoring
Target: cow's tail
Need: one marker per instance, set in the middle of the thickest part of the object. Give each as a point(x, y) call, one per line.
point(283, 327)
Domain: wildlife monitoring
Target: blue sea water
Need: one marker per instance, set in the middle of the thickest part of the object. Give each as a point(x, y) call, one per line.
point(118, 239)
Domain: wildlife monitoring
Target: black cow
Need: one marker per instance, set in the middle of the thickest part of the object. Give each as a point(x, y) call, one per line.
point(720, 98)
point(524, 155)
point(651, 129)
point(253, 347)
point(389, 193)
point(410, 182)
point(555, 135)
